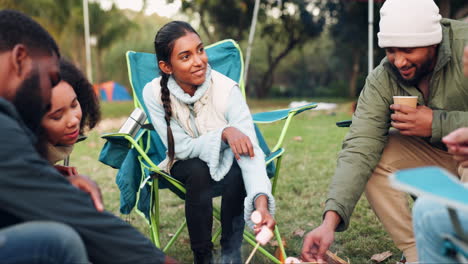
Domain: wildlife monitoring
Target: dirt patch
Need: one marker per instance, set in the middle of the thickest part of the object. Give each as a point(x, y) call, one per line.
point(110, 124)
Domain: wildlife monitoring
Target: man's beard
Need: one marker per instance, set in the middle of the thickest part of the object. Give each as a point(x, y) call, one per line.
point(420, 73)
point(29, 102)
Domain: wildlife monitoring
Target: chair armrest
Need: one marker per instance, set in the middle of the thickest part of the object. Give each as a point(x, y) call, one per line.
point(443, 186)
point(281, 114)
point(123, 138)
point(145, 160)
point(344, 123)
point(274, 155)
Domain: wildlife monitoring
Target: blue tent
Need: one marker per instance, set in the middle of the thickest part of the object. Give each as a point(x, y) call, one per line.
point(112, 91)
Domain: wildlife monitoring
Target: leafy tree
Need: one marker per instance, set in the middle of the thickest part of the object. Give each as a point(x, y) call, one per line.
point(282, 28)
point(350, 34)
point(295, 25)
point(456, 9)
point(221, 18)
point(109, 27)
point(137, 39)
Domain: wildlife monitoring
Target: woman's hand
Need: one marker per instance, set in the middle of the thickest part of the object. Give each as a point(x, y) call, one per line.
point(83, 183)
point(89, 186)
point(240, 143)
point(66, 170)
point(261, 205)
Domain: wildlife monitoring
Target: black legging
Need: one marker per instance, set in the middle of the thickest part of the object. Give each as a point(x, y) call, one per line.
point(195, 174)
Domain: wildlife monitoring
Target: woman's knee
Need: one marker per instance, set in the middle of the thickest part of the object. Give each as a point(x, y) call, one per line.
point(196, 166)
point(198, 172)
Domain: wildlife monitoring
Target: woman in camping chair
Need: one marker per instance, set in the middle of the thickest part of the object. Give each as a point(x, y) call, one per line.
point(207, 128)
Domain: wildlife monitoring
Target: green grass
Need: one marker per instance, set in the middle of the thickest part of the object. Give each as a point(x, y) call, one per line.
point(116, 109)
point(307, 168)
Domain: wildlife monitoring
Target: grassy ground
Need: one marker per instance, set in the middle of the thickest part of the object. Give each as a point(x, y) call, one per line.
point(308, 164)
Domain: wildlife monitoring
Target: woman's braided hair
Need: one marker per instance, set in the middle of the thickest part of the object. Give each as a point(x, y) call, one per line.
point(163, 45)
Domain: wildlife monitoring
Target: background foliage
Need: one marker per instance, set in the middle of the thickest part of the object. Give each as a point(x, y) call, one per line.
point(302, 47)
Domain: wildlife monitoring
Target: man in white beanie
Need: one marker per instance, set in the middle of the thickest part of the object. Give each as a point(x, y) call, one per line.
point(423, 58)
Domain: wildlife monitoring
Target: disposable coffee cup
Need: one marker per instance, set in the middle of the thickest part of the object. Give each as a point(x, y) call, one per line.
point(410, 101)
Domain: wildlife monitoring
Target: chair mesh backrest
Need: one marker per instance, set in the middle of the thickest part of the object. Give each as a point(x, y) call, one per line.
point(224, 56)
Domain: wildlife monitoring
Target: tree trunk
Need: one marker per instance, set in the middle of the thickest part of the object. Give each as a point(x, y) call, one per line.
point(444, 7)
point(268, 77)
point(354, 76)
point(205, 27)
point(98, 69)
point(462, 12)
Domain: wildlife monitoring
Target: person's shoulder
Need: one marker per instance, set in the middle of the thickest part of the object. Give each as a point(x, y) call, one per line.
point(221, 78)
point(9, 117)
point(152, 89)
point(446, 22)
point(13, 131)
point(380, 73)
point(459, 29)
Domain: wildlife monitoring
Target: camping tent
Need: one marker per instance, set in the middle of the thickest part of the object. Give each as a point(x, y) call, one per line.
point(112, 91)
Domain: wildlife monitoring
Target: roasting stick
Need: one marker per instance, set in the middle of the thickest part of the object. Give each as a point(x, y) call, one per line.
point(253, 253)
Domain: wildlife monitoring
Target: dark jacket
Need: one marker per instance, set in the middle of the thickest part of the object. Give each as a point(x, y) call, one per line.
point(31, 189)
point(365, 141)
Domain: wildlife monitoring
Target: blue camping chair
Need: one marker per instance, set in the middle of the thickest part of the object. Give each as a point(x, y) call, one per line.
point(136, 156)
point(446, 189)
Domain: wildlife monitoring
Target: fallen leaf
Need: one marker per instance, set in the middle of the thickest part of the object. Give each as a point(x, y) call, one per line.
point(297, 138)
point(381, 257)
point(299, 232)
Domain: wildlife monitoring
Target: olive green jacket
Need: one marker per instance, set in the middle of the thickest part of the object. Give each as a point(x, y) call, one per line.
point(365, 141)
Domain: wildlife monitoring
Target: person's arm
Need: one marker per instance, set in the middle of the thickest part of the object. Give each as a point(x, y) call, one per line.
point(256, 182)
point(361, 150)
point(317, 242)
point(261, 205)
point(31, 189)
point(360, 154)
point(445, 122)
point(83, 183)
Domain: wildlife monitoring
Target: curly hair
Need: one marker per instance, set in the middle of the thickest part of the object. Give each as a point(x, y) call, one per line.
point(91, 113)
point(84, 92)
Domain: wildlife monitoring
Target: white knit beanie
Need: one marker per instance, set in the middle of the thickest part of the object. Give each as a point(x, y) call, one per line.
point(409, 24)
